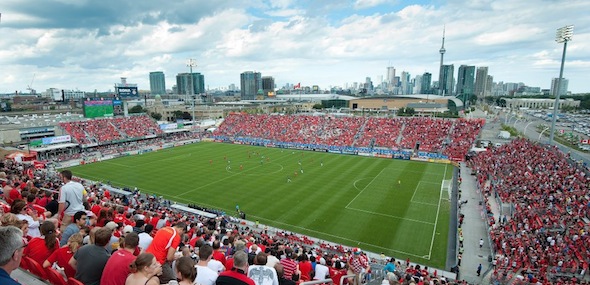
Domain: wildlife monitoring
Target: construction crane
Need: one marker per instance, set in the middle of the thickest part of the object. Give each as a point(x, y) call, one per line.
point(30, 86)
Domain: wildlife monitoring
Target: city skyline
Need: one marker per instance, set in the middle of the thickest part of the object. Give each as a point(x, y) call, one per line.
point(90, 45)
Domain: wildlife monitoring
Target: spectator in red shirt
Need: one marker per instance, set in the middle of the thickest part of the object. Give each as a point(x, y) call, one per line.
point(217, 253)
point(304, 267)
point(40, 248)
point(62, 255)
point(289, 264)
point(46, 199)
point(117, 268)
point(164, 246)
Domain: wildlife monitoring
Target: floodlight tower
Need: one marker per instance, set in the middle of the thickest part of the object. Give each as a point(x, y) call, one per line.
point(192, 63)
point(563, 35)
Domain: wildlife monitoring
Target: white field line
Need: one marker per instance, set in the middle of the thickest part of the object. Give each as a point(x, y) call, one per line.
point(342, 238)
point(437, 213)
point(372, 180)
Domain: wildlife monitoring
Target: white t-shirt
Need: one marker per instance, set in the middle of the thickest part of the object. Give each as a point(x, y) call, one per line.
point(144, 241)
point(33, 225)
point(205, 275)
point(321, 271)
point(216, 265)
point(271, 260)
point(263, 275)
point(71, 195)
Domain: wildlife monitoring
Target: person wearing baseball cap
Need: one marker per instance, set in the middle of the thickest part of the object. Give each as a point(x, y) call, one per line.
point(357, 263)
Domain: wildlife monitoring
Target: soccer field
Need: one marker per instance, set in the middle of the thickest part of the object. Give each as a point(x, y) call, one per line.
point(397, 207)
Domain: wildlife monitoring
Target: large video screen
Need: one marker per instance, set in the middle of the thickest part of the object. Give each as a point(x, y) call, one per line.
point(98, 108)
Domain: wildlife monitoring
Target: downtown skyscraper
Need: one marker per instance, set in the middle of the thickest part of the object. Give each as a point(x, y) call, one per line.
point(466, 80)
point(250, 83)
point(481, 82)
point(157, 83)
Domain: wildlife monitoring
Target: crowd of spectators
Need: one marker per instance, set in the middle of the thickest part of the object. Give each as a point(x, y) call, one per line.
point(118, 239)
point(99, 131)
point(97, 152)
point(449, 137)
point(545, 237)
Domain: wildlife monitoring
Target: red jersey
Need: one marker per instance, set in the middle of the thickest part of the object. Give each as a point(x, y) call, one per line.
point(117, 268)
point(164, 239)
point(62, 257)
point(37, 250)
point(219, 256)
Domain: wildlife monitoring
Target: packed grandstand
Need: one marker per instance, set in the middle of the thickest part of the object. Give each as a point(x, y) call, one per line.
point(543, 237)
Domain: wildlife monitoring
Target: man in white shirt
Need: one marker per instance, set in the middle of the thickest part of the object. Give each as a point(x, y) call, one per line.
point(145, 239)
point(262, 274)
point(71, 197)
point(205, 275)
point(321, 270)
point(271, 257)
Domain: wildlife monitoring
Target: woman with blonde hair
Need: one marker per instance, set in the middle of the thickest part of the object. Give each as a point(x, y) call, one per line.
point(144, 270)
point(62, 256)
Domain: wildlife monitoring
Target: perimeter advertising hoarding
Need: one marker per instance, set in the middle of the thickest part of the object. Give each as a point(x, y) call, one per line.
point(127, 92)
point(98, 108)
point(59, 139)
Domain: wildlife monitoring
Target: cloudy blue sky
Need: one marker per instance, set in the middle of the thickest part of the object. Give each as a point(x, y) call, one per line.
point(88, 44)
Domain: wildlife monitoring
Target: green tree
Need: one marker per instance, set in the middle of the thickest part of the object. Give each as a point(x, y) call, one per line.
point(156, 116)
point(318, 106)
point(136, 109)
point(177, 114)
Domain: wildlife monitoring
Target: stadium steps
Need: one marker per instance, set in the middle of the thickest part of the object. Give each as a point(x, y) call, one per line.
point(398, 141)
point(360, 133)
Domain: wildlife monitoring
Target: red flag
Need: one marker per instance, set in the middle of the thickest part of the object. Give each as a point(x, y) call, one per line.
point(297, 86)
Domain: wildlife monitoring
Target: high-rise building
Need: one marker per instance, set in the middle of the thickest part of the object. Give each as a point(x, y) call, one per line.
point(157, 83)
point(390, 80)
point(250, 83)
point(490, 80)
point(368, 84)
point(441, 74)
point(184, 83)
point(446, 83)
point(425, 84)
point(466, 80)
point(406, 86)
point(418, 84)
point(562, 89)
point(268, 86)
point(481, 82)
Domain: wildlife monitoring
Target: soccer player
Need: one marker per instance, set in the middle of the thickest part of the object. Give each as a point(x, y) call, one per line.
point(288, 179)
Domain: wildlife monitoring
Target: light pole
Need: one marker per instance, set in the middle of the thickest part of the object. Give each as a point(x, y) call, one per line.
point(192, 63)
point(563, 35)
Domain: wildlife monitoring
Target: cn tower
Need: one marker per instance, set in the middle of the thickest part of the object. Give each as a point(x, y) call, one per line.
point(440, 75)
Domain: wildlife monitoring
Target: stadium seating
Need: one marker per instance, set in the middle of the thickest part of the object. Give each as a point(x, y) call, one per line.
point(54, 277)
point(35, 268)
point(74, 281)
point(453, 138)
point(104, 130)
point(546, 231)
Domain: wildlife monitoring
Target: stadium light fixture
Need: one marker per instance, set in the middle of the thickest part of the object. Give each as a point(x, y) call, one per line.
point(563, 35)
point(192, 63)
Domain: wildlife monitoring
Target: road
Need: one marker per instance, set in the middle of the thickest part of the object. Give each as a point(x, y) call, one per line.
point(533, 134)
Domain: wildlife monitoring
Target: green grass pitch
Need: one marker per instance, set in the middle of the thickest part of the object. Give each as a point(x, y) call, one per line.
point(400, 208)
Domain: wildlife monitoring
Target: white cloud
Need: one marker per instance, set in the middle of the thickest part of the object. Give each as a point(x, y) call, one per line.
point(293, 42)
point(364, 4)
